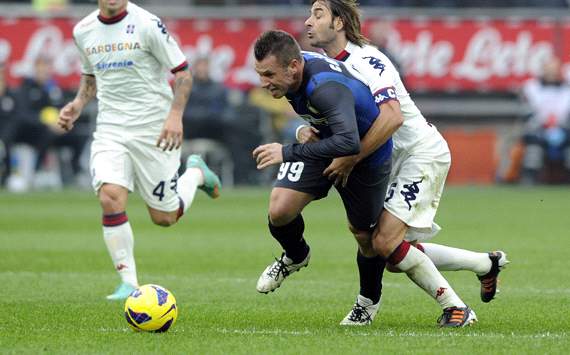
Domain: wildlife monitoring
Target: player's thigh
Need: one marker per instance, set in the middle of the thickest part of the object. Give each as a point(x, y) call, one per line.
point(415, 189)
point(110, 164)
point(296, 185)
point(363, 196)
point(156, 174)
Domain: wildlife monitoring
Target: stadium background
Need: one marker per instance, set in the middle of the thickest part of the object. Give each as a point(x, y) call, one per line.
point(464, 66)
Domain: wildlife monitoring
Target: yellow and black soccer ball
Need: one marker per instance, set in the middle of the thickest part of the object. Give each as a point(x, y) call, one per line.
point(151, 308)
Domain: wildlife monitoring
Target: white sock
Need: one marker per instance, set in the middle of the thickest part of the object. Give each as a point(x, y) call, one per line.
point(187, 185)
point(120, 244)
point(451, 259)
point(423, 273)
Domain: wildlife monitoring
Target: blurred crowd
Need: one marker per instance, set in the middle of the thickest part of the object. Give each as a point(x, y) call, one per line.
point(541, 152)
point(28, 131)
point(36, 153)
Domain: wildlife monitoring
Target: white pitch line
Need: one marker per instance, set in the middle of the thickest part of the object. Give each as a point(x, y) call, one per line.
point(254, 331)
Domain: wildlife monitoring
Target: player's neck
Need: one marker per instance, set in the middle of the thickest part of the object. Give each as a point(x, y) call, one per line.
point(335, 47)
point(112, 13)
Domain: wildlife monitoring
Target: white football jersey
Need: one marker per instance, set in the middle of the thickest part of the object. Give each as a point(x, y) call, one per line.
point(129, 55)
point(385, 83)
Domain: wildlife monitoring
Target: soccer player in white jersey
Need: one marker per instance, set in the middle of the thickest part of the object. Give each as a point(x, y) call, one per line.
point(125, 53)
point(421, 160)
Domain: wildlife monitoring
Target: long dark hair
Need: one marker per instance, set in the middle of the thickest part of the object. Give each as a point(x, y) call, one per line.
point(348, 12)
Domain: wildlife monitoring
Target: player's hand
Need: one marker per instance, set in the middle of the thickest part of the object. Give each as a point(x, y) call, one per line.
point(171, 136)
point(340, 169)
point(307, 134)
point(68, 115)
point(268, 154)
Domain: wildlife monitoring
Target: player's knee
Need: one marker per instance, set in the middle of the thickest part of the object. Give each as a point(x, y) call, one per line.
point(382, 244)
point(163, 220)
point(363, 238)
point(280, 215)
point(111, 200)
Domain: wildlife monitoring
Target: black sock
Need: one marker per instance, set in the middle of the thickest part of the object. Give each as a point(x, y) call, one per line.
point(290, 236)
point(371, 271)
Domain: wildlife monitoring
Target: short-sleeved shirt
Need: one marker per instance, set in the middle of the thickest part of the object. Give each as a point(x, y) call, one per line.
point(130, 56)
point(385, 83)
point(322, 101)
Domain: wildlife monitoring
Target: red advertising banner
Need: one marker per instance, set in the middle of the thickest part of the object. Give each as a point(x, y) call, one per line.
point(436, 54)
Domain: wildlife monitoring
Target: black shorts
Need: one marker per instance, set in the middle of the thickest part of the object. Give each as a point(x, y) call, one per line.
point(364, 194)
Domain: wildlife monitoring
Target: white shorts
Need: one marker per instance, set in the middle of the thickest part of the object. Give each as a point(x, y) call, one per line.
point(416, 186)
point(130, 158)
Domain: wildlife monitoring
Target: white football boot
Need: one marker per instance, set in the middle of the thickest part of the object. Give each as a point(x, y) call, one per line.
point(362, 313)
point(274, 274)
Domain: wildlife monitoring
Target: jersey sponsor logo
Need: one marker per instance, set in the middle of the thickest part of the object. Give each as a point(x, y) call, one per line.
point(384, 95)
point(376, 64)
point(113, 47)
point(114, 65)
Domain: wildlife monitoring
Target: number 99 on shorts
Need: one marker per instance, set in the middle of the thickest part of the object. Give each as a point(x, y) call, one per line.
point(291, 171)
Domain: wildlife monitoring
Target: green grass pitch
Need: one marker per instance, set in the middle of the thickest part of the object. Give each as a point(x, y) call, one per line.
point(55, 272)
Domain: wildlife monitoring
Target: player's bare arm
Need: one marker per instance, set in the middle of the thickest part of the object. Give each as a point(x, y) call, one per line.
point(388, 122)
point(70, 112)
point(171, 135)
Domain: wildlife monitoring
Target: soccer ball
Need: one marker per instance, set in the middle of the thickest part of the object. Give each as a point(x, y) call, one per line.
point(151, 308)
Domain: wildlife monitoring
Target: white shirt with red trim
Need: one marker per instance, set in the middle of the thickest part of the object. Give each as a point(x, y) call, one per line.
point(385, 83)
point(130, 56)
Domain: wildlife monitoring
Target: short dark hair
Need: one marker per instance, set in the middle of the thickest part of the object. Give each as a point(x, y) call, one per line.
point(278, 43)
point(348, 12)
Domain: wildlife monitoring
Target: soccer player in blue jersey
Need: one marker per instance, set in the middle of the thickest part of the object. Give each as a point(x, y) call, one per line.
point(341, 109)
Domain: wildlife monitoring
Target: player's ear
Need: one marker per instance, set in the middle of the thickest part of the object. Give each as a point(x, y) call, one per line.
point(338, 23)
point(294, 65)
